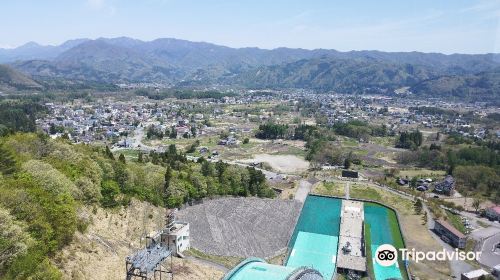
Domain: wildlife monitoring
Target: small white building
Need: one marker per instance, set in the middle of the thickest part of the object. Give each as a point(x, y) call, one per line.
point(177, 237)
point(474, 275)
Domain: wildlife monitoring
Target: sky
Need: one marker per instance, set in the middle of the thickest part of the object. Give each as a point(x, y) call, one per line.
point(446, 26)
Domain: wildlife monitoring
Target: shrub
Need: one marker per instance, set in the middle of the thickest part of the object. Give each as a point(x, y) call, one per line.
point(109, 191)
point(14, 240)
point(50, 179)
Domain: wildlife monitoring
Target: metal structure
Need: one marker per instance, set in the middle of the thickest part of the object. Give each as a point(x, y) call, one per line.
point(148, 263)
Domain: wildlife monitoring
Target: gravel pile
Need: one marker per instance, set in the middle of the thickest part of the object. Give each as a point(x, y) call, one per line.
point(242, 227)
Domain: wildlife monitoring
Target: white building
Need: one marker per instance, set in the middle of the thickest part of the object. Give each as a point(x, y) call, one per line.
point(474, 275)
point(177, 237)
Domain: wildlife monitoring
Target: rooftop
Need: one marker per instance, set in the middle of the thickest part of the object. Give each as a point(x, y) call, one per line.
point(450, 228)
point(350, 248)
point(496, 209)
point(475, 273)
point(352, 263)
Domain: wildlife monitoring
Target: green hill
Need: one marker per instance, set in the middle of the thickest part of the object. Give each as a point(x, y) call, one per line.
point(13, 78)
point(44, 183)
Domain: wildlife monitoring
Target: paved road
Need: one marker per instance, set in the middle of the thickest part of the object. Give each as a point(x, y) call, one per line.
point(136, 141)
point(207, 263)
point(303, 190)
point(490, 256)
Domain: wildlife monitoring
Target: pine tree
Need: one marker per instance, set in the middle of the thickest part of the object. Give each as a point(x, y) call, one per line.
point(168, 178)
point(206, 169)
point(52, 129)
point(109, 154)
point(7, 161)
point(173, 133)
point(121, 158)
point(347, 163)
point(140, 158)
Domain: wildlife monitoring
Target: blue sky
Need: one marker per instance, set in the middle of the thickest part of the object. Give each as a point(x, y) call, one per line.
point(448, 26)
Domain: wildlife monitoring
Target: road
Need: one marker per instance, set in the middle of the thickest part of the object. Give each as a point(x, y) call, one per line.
point(136, 141)
point(487, 239)
point(490, 256)
point(208, 263)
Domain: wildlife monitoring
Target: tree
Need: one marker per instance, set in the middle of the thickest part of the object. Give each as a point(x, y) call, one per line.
point(271, 131)
point(173, 133)
point(246, 140)
point(52, 129)
point(109, 154)
point(413, 183)
point(7, 161)
point(109, 191)
point(476, 204)
point(418, 206)
point(168, 178)
point(172, 150)
point(207, 169)
point(347, 163)
point(121, 158)
point(140, 158)
point(410, 140)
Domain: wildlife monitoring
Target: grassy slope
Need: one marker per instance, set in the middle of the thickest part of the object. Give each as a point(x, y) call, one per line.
point(369, 258)
point(455, 221)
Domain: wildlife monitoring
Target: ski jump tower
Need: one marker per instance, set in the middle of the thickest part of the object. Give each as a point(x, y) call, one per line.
point(149, 262)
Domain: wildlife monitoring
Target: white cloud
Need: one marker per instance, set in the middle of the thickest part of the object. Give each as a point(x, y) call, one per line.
point(102, 6)
point(96, 4)
point(488, 9)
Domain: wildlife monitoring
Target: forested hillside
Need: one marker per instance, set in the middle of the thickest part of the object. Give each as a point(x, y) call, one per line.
point(44, 183)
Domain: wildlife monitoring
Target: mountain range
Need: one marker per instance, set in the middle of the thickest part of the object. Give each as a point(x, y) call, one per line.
point(181, 62)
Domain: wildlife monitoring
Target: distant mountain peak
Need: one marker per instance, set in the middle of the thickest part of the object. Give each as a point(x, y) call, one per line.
point(30, 45)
